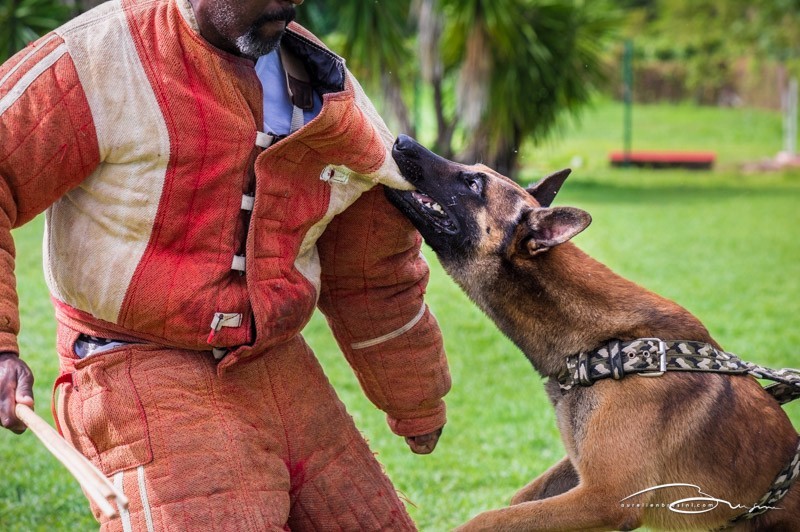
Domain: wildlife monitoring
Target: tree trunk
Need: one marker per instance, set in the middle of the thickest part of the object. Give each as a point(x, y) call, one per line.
point(505, 162)
point(429, 34)
point(393, 98)
point(502, 158)
point(444, 129)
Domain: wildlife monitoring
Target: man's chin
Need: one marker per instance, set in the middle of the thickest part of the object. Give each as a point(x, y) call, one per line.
point(254, 44)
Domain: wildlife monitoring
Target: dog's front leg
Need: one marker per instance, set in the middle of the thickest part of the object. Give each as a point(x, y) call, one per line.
point(581, 508)
point(559, 479)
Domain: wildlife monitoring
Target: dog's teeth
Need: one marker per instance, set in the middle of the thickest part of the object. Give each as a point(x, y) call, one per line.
point(429, 205)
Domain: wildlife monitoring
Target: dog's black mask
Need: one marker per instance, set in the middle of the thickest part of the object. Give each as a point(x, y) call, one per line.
point(443, 190)
point(465, 211)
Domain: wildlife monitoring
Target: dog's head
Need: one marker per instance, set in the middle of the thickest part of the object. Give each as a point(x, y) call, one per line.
point(468, 213)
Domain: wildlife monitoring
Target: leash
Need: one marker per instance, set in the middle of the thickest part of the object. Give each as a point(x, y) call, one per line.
point(780, 487)
point(653, 357)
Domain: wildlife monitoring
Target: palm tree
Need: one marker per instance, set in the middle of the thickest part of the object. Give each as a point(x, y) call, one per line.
point(430, 23)
point(499, 72)
point(374, 37)
point(523, 65)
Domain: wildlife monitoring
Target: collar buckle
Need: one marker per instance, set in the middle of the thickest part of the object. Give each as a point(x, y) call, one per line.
point(662, 359)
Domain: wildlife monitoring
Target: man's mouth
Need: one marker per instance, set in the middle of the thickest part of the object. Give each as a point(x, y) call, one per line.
point(274, 25)
point(285, 15)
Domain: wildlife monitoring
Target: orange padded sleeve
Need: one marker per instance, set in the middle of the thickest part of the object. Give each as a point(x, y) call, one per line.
point(373, 282)
point(49, 145)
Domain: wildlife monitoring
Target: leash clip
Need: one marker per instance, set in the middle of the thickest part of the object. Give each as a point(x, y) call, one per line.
point(662, 358)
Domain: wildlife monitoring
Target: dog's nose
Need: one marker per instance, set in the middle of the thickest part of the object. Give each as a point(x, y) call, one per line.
point(404, 143)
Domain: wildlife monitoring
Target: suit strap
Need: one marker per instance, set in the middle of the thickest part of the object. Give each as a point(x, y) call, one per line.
point(298, 84)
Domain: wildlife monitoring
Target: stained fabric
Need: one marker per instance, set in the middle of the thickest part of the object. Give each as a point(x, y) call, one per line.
point(252, 450)
point(139, 138)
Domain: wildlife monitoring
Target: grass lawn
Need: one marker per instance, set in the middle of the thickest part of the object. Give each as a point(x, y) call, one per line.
point(723, 244)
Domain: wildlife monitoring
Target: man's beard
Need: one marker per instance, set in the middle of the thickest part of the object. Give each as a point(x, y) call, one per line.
point(252, 44)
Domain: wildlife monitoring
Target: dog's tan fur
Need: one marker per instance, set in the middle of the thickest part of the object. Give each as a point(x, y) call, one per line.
point(721, 433)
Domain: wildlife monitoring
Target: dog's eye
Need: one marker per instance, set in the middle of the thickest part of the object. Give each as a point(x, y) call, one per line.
point(475, 184)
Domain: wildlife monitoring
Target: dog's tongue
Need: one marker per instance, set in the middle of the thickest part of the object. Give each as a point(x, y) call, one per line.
point(431, 206)
point(421, 197)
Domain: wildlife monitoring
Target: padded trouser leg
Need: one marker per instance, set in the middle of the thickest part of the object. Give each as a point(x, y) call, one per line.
point(265, 445)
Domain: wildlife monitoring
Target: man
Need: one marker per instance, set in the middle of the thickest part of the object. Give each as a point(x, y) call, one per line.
point(187, 243)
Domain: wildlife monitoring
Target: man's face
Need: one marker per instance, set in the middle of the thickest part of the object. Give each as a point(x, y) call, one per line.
point(248, 27)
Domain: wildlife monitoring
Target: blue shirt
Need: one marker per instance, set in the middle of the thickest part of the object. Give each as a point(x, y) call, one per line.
point(277, 104)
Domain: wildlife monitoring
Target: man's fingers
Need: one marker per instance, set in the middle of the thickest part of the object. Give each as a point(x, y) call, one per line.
point(420, 447)
point(8, 392)
point(424, 443)
point(16, 386)
point(24, 393)
point(8, 418)
point(425, 438)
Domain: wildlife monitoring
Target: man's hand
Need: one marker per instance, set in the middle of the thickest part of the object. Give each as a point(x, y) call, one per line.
point(424, 444)
point(16, 386)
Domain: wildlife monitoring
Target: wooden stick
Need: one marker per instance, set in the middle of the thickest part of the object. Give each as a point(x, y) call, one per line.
point(92, 480)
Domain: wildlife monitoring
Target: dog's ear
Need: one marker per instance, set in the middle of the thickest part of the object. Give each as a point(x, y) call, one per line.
point(548, 227)
point(546, 189)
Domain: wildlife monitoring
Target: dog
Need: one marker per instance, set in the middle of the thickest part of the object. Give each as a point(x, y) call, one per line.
point(683, 451)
